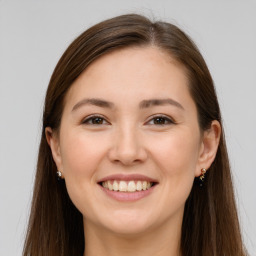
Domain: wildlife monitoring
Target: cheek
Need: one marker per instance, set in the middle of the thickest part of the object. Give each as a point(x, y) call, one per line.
point(81, 154)
point(177, 153)
point(176, 158)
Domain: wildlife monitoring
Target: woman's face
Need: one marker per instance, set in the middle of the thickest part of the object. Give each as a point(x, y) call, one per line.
point(128, 123)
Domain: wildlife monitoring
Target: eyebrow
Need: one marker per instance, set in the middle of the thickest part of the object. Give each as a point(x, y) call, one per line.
point(143, 104)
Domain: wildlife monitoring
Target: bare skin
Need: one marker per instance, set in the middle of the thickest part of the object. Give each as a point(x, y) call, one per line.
point(128, 136)
point(156, 242)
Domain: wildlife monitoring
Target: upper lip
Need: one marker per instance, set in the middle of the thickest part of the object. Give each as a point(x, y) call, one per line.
point(127, 177)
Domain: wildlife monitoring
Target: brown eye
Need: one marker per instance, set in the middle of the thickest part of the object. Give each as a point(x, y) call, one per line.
point(94, 120)
point(161, 120)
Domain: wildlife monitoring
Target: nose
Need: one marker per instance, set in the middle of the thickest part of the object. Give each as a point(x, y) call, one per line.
point(127, 147)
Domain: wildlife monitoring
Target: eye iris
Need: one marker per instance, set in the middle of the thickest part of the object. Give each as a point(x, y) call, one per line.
point(159, 120)
point(97, 120)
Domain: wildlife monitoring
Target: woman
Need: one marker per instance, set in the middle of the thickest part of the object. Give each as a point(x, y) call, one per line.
point(133, 130)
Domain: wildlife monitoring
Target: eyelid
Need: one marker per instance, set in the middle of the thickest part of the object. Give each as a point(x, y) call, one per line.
point(169, 119)
point(90, 117)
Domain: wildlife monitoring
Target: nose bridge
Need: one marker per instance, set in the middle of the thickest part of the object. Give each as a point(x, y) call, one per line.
point(127, 145)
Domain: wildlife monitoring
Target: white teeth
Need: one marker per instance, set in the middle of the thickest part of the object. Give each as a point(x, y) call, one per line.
point(115, 185)
point(139, 185)
point(127, 186)
point(131, 186)
point(144, 185)
point(109, 185)
point(123, 186)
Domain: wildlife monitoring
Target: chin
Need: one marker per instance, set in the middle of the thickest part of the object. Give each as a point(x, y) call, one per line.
point(127, 230)
point(128, 223)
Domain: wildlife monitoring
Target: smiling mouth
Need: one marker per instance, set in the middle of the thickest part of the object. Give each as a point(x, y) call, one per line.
point(127, 186)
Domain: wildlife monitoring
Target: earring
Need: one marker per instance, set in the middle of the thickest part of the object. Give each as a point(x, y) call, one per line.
point(59, 175)
point(202, 177)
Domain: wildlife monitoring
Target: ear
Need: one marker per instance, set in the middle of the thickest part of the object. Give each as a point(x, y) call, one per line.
point(53, 142)
point(209, 147)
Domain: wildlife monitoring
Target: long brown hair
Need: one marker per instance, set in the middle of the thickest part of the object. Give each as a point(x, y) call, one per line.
point(210, 223)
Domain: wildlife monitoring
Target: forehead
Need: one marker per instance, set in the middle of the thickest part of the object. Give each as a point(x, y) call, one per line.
point(131, 74)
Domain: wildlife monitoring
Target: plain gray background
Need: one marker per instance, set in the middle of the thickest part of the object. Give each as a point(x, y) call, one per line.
point(34, 34)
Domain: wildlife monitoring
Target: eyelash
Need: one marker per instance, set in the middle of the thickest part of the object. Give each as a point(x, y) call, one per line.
point(91, 118)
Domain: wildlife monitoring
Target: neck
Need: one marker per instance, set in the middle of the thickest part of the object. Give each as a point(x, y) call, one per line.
point(161, 241)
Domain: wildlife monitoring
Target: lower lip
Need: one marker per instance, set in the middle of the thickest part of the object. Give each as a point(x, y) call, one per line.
point(128, 196)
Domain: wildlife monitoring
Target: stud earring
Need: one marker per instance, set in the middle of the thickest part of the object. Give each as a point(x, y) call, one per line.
point(59, 175)
point(202, 177)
